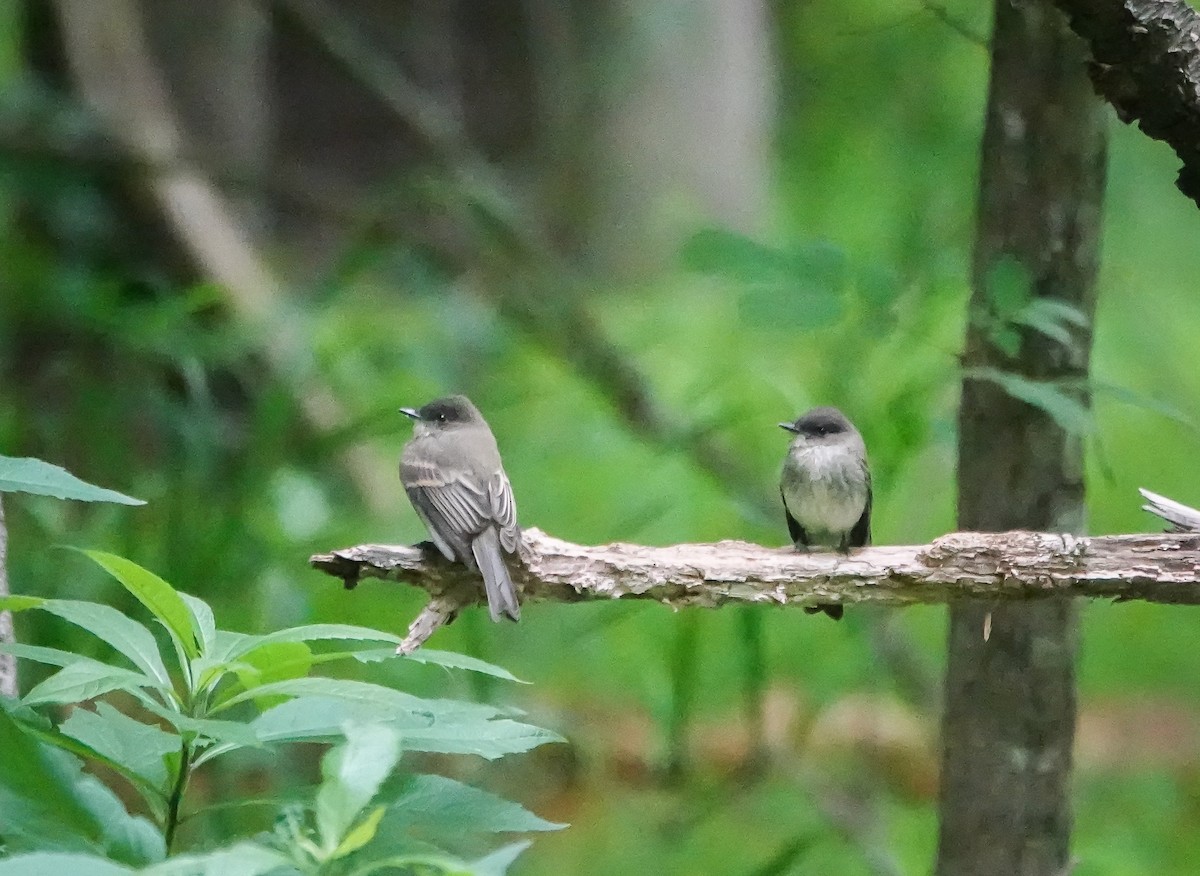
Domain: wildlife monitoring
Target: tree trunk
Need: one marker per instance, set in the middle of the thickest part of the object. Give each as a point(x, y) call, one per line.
point(1009, 719)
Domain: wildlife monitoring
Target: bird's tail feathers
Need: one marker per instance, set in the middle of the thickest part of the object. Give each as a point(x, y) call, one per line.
point(501, 593)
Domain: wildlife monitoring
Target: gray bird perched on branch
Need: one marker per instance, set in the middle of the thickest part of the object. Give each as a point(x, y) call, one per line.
point(452, 473)
point(826, 486)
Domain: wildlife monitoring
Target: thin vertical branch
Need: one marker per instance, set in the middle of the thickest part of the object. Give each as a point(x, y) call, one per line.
point(8, 663)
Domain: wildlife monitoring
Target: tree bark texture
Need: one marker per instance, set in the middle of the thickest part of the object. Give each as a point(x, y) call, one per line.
point(1003, 568)
point(1147, 65)
point(1009, 718)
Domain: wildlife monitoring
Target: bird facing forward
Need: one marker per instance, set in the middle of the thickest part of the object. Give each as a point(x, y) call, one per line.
point(453, 476)
point(826, 486)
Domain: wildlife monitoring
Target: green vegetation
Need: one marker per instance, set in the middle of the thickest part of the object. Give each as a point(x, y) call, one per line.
point(699, 742)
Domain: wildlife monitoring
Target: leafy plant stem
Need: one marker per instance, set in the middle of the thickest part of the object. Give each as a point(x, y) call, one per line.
point(175, 803)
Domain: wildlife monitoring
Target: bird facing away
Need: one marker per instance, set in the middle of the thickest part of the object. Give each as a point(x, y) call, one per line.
point(826, 486)
point(452, 473)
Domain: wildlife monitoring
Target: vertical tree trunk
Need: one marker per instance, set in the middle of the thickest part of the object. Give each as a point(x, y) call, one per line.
point(1009, 720)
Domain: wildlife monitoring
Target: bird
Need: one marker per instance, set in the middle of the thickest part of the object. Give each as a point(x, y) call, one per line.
point(826, 486)
point(452, 473)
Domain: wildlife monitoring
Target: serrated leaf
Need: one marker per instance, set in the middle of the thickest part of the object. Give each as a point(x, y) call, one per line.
point(121, 632)
point(319, 719)
point(234, 733)
point(455, 660)
point(39, 654)
point(28, 475)
point(311, 633)
point(374, 695)
point(59, 864)
point(139, 748)
point(86, 679)
point(439, 802)
point(352, 774)
point(156, 594)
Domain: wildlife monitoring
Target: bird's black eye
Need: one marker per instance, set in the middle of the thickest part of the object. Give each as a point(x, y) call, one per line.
point(442, 417)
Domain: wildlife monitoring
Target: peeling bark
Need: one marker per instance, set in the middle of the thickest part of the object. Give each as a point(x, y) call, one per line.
point(1147, 65)
point(1003, 568)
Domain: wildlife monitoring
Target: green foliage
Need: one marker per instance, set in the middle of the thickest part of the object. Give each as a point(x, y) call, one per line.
point(219, 693)
point(1012, 306)
point(44, 479)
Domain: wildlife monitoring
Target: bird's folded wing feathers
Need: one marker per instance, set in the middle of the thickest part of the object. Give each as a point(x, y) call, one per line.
point(463, 507)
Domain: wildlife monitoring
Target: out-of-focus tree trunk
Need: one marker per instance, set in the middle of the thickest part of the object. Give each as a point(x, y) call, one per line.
point(684, 134)
point(1009, 716)
point(215, 57)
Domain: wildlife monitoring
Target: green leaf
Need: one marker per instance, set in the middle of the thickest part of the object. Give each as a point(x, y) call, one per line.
point(86, 679)
point(43, 479)
point(734, 256)
point(438, 802)
point(157, 595)
point(203, 621)
point(38, 654)
point(361, 834)
point(1135, 399)
point(139, 748)
point(498, 862)
point(321, 718)
point(48, 804)
point(455, 660)
point(371, 695)
point(242, 859)
point(234, 733)
point(311, 633)
point(352, 775)
point(1008, 286)
point(60, 864)
point(271, 663)
point(1067, 410)
point(121, 632)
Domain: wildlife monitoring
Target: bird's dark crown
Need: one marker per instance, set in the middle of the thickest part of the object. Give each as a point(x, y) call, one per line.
point(452, 409)
point(821, 421)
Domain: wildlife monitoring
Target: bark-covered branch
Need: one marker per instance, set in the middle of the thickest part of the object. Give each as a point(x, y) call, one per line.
point(1002, 566)
point(1147, 65)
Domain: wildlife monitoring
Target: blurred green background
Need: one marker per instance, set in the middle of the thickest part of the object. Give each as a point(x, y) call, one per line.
point(638, 235)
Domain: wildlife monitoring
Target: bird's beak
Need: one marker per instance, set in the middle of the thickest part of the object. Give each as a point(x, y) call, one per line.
point(789, 427)
point(410, 412)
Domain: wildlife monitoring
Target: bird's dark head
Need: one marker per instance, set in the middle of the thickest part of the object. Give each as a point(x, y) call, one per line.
point(445, 413)
point(821, 426)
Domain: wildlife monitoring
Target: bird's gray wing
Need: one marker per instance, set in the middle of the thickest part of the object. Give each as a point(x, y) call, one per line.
point(860, 535)
point(454, 508)
point(504, 511)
